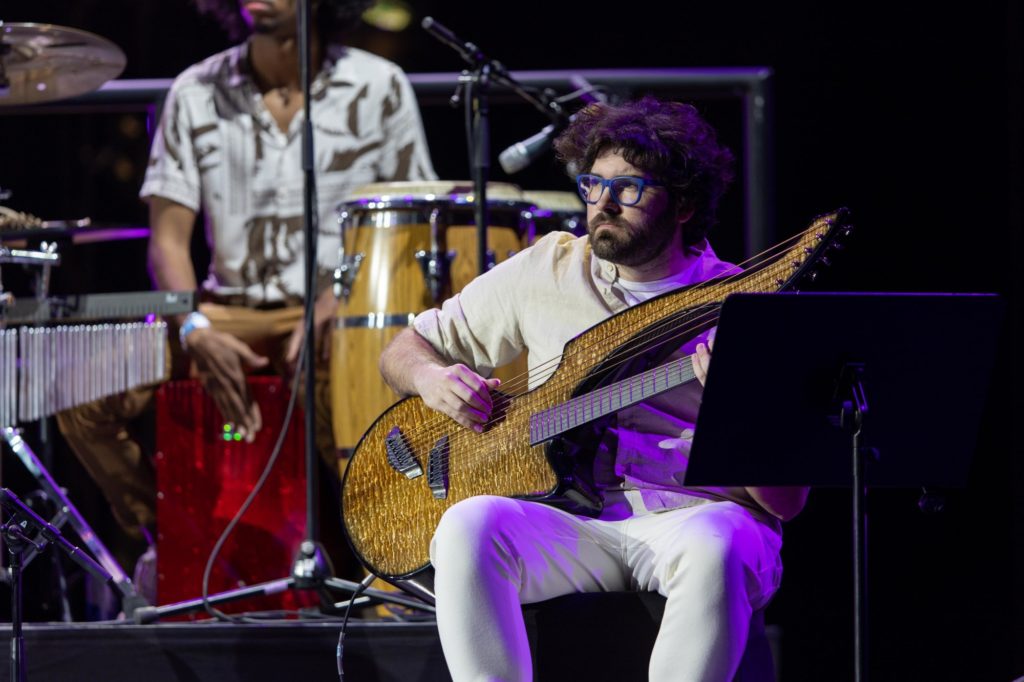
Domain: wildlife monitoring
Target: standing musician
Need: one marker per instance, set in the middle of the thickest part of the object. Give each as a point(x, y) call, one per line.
point(652, 176)
point(230, 145)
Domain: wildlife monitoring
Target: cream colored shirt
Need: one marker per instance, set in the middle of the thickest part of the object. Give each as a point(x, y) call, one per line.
point(542, 298)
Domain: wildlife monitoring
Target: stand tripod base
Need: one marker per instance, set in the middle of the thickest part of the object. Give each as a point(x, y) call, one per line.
point(68, 513)
point(151, 614)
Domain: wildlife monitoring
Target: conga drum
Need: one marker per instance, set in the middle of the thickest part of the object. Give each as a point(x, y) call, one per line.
point(406, 246)
point(553, 211)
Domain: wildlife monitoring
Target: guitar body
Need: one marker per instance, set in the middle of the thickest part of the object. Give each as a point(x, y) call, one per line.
point(413, 463)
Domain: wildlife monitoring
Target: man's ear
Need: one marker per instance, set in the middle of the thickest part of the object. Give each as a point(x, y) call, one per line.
point(684, 211)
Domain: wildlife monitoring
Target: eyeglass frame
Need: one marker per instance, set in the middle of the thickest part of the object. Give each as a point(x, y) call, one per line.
point(606, 184)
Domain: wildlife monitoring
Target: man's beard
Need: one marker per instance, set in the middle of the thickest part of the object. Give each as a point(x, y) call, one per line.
point(625, 247)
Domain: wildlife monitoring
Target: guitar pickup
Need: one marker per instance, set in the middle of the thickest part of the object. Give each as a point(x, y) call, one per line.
point(437, 468)
point(400, 455)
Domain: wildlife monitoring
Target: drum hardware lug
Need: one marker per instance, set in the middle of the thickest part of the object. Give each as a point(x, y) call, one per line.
point(435, 266)
point(345, 274)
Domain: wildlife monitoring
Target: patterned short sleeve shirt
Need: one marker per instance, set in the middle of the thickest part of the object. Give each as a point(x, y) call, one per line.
point(220, 151)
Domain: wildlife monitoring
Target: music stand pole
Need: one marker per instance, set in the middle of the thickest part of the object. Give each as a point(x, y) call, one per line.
point(899, 339)
point(853, 409)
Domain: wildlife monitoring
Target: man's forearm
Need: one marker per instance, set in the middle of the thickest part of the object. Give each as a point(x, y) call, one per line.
point(404, 358)
point(169, 254)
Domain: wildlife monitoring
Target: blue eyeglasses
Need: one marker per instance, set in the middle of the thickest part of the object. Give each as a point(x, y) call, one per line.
point(626, 190)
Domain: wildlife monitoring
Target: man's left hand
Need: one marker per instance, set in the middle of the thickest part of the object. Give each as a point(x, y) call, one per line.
point(702, 359)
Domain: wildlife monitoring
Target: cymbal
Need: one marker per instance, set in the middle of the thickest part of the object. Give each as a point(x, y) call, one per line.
point(43, 62)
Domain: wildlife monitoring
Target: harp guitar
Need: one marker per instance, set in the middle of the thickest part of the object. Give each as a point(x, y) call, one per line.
point(413, 463)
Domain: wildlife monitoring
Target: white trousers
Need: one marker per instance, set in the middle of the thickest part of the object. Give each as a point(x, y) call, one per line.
point(715, 563)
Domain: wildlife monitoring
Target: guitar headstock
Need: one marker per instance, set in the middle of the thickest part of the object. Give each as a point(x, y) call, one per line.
point(814, 248)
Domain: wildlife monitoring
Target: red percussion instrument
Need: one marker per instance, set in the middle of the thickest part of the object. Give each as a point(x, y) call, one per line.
point(204, 474)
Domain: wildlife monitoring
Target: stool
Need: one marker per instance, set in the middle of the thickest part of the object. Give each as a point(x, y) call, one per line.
point(568, 634)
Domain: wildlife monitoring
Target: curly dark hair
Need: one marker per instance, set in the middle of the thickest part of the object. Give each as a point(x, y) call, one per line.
point(332, 18)
point(669, 140)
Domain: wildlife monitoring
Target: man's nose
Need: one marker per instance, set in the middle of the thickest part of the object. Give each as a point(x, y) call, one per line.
point(606, 203)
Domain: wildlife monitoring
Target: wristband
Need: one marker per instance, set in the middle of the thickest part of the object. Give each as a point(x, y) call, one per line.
point(195, 320)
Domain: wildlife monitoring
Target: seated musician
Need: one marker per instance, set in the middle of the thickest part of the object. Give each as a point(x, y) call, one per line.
point(652, 174)
point(229, 145)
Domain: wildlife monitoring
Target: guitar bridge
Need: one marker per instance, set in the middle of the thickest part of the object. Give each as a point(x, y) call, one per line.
point(437, 468)
point(400, 455)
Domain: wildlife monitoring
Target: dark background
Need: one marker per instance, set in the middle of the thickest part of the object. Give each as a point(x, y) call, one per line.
point(910, 116)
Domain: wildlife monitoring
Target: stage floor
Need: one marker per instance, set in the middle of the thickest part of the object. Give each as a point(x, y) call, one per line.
point(286, 651)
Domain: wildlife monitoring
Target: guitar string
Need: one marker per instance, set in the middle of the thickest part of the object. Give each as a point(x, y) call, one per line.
point(514, 386)
point(668, 330)
point(762, 266)
point(644, 337)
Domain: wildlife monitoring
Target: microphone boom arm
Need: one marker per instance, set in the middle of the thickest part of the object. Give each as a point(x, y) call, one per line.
point(469, 52)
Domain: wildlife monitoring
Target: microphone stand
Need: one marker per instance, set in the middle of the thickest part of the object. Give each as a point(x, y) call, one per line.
point(311, 566)
point(16, 533)
point(479, 135)
point(476, 85)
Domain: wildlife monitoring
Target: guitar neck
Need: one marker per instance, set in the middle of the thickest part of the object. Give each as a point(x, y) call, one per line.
point(554, 421)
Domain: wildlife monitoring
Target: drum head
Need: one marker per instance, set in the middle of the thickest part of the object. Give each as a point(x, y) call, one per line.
point(544, 200)
point(553, 211)
point(432, 190)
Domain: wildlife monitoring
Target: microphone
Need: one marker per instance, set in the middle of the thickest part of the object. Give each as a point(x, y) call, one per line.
point(467, 50)
point(522, 154)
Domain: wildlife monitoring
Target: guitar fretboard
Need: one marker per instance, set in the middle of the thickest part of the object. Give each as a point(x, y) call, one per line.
point(547, 424)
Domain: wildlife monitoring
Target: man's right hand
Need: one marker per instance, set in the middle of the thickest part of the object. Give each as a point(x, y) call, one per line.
point(220, 361)
point(458, 392)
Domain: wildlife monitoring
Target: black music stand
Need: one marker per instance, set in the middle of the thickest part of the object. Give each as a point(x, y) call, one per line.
point(850, 390)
